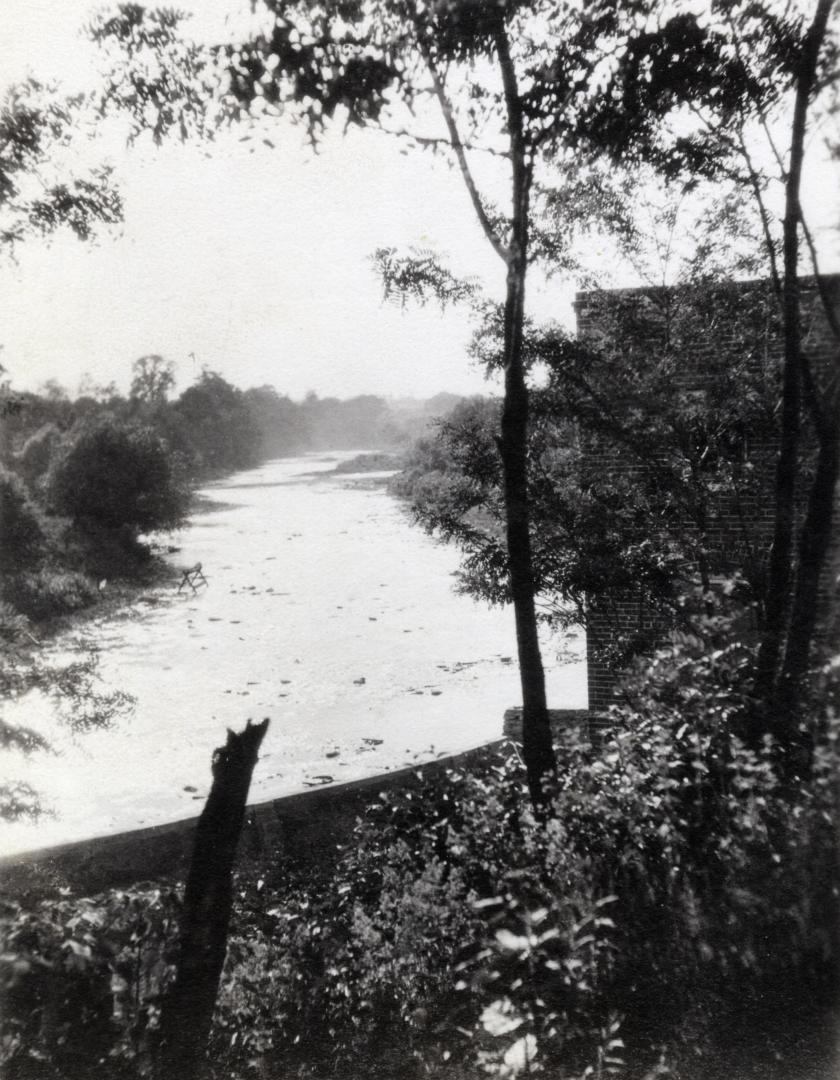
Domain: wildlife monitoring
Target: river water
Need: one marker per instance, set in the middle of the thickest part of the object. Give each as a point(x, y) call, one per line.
point(328, 612)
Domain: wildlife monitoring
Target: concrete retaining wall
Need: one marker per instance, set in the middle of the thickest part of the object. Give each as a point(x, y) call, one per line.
point(306, 827)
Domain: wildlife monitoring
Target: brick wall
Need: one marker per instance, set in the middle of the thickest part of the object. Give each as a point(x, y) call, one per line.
point(734, 321)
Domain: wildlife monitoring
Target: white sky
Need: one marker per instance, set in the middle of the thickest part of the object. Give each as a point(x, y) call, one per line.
point(255, 264)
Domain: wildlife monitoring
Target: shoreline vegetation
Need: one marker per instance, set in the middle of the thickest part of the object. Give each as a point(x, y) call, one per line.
point(84, 479)
point(153, 575)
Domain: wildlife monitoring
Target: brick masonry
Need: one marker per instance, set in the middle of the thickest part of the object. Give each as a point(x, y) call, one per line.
point(735, 525)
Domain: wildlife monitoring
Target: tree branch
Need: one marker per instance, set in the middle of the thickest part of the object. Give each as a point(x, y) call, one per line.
point(436, 142)
point(822, 288)
point(762, 213)
point(460, 152)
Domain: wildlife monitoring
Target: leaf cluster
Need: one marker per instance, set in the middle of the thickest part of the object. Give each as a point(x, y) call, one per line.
point(42, 187)
point(82, 981)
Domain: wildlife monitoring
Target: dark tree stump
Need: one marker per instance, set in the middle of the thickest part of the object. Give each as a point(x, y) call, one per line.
point(187, 1010)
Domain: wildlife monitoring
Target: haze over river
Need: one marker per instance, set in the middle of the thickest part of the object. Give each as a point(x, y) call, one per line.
point(327, 611)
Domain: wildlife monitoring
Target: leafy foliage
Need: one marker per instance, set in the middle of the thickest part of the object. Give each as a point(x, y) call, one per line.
point(118, 477)
point(220, 427)
point(673, 879)
point(21, 535)
point(46, 593)
point(38, 189)
point(691, 435)
point(81, 983)
point(152, 379)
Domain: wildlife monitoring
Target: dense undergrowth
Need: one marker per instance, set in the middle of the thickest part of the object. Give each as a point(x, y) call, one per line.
point(675, 915)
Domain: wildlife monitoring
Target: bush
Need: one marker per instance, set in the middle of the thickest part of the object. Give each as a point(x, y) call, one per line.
point(21, 534)
point(120, 477)
point(37, 453)
point(47, 593)
point(81, 983)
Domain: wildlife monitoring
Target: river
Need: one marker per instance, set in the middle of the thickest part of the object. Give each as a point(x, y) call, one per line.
point(328, 612)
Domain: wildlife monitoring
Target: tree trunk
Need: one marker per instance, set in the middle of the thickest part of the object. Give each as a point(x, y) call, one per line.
point(780, 570)
point(188, 1008)
point(537, 749)
point(814, 546)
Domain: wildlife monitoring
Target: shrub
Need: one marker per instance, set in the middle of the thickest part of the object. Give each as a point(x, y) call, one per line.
point(118, 476)
point(37, 453)
point(21, 534)
point(81, 982)
point(45, 593)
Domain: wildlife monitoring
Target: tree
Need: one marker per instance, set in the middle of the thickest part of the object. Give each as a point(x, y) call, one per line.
point(118, 477)
point(95, 391)
point(282, 425)
point(219, 430)
point(803, 67)
point(152, 379)
point(638, 455)
point(187, 1011)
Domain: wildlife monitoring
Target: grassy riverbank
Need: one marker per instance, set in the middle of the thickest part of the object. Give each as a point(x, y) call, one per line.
point(70, 589)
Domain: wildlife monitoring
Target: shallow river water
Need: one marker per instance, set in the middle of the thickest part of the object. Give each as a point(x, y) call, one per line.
point(328, 612)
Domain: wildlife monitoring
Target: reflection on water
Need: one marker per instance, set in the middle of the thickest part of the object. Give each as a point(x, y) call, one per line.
point(326, 611)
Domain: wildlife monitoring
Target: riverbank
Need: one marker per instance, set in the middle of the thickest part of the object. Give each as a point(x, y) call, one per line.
point(105, 579)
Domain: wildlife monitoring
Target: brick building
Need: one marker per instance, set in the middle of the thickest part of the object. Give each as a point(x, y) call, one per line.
point(705, 343)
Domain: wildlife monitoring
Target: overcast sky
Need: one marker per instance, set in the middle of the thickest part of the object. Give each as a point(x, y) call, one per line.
point(254, 264)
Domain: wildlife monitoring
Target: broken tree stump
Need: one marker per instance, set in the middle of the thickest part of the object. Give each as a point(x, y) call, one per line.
point(187, 1010)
